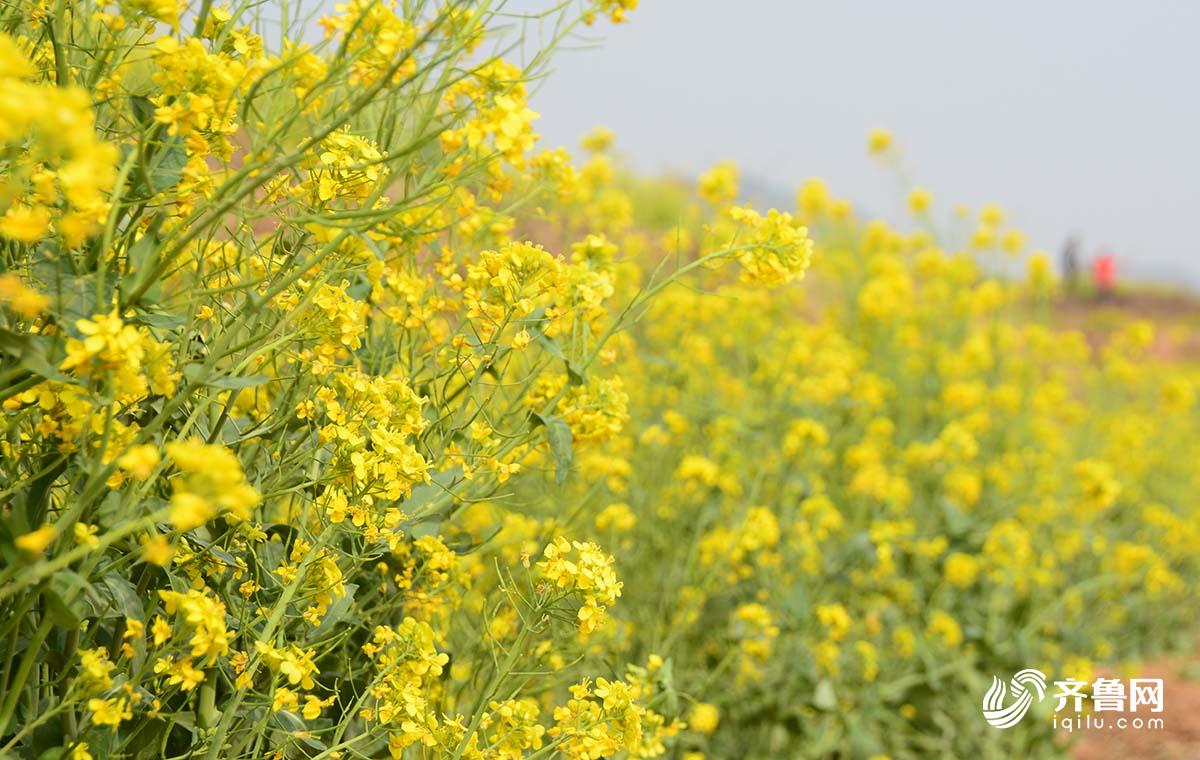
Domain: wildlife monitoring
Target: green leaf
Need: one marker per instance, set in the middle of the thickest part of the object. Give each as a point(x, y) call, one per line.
point(166, 167)
point(666, 677)
point(824, 697)
point(140, 260)
point(164, 321)
point(470, 547)
point(957, 523)
point(141, 254)
point(574, 374)
point(145, 742)
point(422, 528)
point(231, 383)
point(37, 498)
point(337, 612)
point(64, 594)
point(558, 433)
point(427, 492)
point(32, 353)
point(194, 373)
point(113, 597)
point(8, 548)
point(143, 109)
point(549, 345)
point(294, 725)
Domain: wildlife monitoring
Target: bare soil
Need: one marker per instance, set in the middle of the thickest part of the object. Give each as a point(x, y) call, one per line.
point(1178, 739)
point(1175, 314)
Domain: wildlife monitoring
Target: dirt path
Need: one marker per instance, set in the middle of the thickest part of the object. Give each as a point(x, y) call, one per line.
point(1175, 314)
point(1178, 739)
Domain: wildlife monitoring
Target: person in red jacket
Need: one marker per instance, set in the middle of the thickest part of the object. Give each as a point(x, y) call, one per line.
point(1104, 274)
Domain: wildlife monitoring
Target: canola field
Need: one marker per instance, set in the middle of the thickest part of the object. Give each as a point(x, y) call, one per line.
point(342, 418)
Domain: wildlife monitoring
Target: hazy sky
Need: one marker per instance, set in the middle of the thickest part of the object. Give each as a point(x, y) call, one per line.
point(1075, 116)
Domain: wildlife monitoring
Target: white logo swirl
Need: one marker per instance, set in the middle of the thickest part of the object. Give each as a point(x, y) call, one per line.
point(1023, 685)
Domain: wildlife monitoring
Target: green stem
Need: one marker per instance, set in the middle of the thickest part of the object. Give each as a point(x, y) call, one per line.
point(268, 633)
point(15, 689)
point(510, 660)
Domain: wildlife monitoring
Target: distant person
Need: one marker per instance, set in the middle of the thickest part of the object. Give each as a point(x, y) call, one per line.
point(1070, 265)
point(1104, 275)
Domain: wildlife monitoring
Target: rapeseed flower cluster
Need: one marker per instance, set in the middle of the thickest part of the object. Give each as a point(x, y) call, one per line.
point(859, 496)
point(58, 171)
